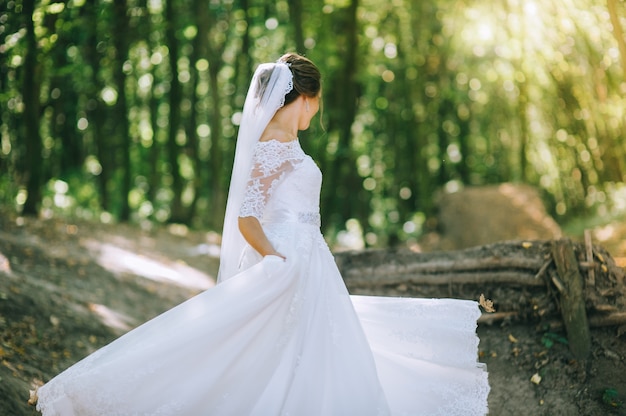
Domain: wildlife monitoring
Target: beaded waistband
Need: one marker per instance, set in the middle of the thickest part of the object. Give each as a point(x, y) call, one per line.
point(309, 217)
point(312, 218)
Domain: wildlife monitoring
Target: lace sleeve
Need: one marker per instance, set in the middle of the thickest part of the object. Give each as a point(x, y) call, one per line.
point(271, 162)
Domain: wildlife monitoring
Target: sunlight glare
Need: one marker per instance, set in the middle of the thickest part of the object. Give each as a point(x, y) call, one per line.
point(530, 9)
point(118, 260)
point(111, 318)
point(485, 32)
point(352, 237)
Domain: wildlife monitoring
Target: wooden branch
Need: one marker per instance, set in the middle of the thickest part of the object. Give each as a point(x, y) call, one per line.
point(605, 308)
point(572, 299)
point(611, 319)
point(523, 278)
point(490, 318)
point(392, 278)
point(558, 283)
point(487, 264)
point(595, 321)
point(591, 281)
point(452, 265)
point(543, 269)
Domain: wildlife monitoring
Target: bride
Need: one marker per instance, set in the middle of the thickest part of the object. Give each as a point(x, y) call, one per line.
point(279, 334)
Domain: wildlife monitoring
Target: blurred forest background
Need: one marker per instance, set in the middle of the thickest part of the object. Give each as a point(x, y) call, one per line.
point(127, 110)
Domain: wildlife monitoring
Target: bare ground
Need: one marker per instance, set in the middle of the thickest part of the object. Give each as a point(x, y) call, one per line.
point(67, 288)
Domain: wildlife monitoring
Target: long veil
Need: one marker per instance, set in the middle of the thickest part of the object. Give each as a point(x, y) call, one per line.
point(270, 83)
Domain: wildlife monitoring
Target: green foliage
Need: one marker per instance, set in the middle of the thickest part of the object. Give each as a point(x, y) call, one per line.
point(76, 197)
point(549, 338)
point(610, 397)
point(418, 97)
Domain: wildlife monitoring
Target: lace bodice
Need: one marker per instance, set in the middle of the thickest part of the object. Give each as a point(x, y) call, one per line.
point(284, 184)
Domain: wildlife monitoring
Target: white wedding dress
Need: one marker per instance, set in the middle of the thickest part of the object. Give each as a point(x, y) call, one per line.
point(284, 337)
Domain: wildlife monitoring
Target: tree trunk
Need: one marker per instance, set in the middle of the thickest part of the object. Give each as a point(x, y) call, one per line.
point(215, 50)
point(154, 152)
point(30, 129)
point(6, 166)
point(445, 166)
point(572, 299)
point(295, 14)
point(343, 189)
point(72, 155)
point(464, 136)
point(173, 149)
point(523, 125)
point(244, 66)
point(523, 106)
point(154, 156)
point(96, 111)
point(618, 33)
point(199, 51)
point(64, 100)
point(120, 40)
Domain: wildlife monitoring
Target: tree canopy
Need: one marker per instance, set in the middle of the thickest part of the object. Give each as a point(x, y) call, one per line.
point(128, 109)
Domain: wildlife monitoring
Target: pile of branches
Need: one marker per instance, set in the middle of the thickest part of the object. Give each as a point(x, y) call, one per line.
point(526, 280)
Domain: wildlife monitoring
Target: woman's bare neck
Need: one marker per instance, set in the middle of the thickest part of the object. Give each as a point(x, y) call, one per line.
point(277, 133)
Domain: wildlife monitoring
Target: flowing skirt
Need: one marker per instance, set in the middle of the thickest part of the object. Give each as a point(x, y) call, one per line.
point(284, 338)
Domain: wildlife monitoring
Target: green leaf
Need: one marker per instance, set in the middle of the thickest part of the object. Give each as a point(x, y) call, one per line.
point(610, 397)
point(549, 338)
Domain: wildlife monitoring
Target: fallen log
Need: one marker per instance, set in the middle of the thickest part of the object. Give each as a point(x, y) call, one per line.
point(520, 277)
point(611, 319)
point(572, 298)
point(595, 321)
point(393, 276)
point(514, 263)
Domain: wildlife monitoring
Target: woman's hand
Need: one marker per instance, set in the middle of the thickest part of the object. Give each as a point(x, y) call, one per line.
point(252, 231)
point(277, 254)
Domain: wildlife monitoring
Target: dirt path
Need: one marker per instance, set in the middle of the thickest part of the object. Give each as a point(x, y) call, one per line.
point(68, 288)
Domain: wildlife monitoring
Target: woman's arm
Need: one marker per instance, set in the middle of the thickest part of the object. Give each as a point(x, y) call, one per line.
point(252, 231)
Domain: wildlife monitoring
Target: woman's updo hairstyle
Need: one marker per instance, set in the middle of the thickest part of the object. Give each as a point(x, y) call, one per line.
point(306, 77)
